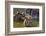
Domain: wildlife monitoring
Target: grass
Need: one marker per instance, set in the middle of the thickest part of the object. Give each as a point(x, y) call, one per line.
point(35, 23)
point(18, 24)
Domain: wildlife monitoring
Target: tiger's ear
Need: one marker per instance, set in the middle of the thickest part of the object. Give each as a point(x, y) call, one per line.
point(17, 12)
point(22, 12)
